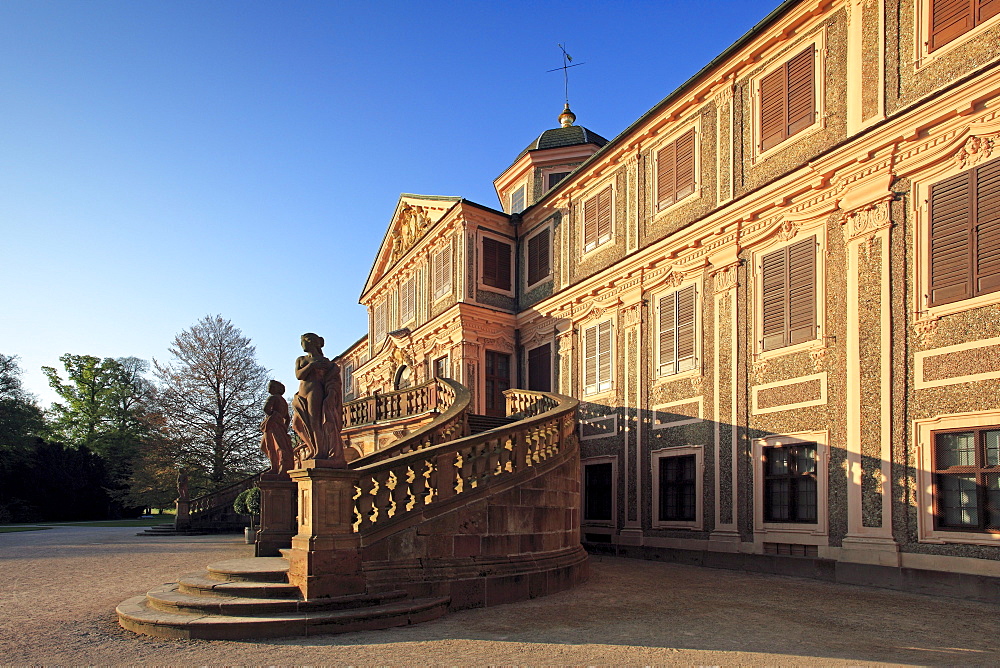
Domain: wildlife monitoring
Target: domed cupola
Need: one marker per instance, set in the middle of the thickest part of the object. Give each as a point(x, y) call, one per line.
point(545, 162)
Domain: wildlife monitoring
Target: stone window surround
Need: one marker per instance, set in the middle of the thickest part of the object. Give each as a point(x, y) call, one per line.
point(583, 327)
point(922, 36)
point(699, 480)
point(697, 369)
point(594, 191)
point(661, 143)
point(547, 225)
point(497, 236)
point(923, 443)
point(601, 526)
point(439, 292)
point(787, 532)
point(818, 40)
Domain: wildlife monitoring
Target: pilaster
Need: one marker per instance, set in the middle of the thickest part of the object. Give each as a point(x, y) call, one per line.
point(630, 317)
point(278, 510)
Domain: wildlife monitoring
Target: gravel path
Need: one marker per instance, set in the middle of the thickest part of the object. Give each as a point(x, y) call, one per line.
point(59, 589)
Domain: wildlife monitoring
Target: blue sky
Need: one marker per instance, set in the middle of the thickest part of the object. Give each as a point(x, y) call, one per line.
point(161, 161)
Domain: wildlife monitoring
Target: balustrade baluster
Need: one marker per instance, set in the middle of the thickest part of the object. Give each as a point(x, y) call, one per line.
point(365, 504)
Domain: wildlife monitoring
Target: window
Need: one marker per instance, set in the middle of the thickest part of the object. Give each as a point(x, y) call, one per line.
point(538, 260)
point(553, 179)
point(380, 324)
point(676, 324)
point(540, 368)
point(348, 380)
point(441, 367)
point(675, 170)
point(967, 479)
point(677, 489)
point(598, 492)
point(597, 220)
point(788, 295)
point(517, 200)
point(441, 270)
point(407, 298)
point(790, 490)
point(949, 19)
point(496, 264)
point(965, 235)
point(597, 358)
point(788, 99)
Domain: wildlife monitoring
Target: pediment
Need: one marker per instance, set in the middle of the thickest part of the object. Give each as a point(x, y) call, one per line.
point(413, 218)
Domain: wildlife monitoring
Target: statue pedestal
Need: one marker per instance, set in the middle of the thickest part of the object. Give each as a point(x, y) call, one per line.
point(325, 559)
point(182, 520)
point(277, 514)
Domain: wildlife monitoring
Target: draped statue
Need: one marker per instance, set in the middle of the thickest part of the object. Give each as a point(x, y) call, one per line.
point(275, 441)
point(319, 404)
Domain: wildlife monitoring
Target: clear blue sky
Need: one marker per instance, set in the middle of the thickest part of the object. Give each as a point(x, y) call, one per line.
point(161, 161)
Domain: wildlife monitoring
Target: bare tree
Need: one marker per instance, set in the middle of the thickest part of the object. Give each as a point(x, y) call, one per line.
point(211, 393)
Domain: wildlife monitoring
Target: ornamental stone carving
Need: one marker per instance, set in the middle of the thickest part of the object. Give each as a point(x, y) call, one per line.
point(725, 279)
point(924, 330)
point(867, 220)
point(413, 222)
point(788, 230)
point(977, 149)
point(631, 314)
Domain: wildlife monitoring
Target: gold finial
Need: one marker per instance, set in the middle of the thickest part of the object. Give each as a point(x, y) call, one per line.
point(567, 117)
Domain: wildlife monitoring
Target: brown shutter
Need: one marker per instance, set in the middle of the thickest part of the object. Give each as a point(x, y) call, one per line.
point(801, 91)
point(988, 227)
point(987, 9)
point(503, 265)
point(950, 19)
point(604, 352)
point(773, 297)
point(665, 185)
point(540, 368)
point(446, 269)
point(590, 357)
point(667, 326)
point(496, 263)
point(685, 328)
point(772, 109)
point(802, 291)
point(590, 222)
point(604, 215)
point(538, 257)
point(951, 245)
point(685, 165)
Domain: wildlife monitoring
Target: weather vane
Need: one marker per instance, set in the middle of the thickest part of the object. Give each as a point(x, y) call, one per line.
point(567, 59)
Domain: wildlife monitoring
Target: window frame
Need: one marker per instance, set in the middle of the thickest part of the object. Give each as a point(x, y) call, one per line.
point(607, 525)
point(696, 451)
point(980, 470)
point(922, 35)
point(527, 363)
point(546, 227)
point(672, 138)
point(924, 431)
point(408, 288)
point(807, 533)
point(601, 241)
point(481, 273)
point(818, 42)
point(446, 251)
point(696, 363)
point(523, 190)
point(434, 369)
point(600, 386)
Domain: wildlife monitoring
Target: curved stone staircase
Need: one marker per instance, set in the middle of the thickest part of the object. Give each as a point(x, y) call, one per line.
point(444, 519)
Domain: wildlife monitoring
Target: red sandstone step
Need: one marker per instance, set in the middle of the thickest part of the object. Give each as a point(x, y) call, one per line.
point(252, 569)
point(171, 598)
point(136, 615)
point(200, 584)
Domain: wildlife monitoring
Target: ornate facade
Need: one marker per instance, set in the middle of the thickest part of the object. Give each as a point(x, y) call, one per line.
point(777, 295)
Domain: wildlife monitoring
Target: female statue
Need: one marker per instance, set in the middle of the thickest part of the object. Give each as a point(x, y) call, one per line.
point(275, 441)
point(318, 404)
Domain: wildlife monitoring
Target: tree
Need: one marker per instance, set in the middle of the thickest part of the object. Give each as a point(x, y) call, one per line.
point(211, 393)
point(20, 417)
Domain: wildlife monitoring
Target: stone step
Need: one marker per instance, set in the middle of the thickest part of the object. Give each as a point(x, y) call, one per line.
point(138, 616)
point(170, 598)
point(252, 569)
point(200, 584)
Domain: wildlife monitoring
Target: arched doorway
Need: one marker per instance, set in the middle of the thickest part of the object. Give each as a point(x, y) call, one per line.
point(404, 377)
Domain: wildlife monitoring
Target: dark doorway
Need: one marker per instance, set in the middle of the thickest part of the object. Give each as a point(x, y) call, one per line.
point(497, 380)
point(540, 368)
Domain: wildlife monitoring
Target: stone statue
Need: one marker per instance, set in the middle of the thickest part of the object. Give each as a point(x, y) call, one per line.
point(275, 441)
point(319, 404)
point(182, 485)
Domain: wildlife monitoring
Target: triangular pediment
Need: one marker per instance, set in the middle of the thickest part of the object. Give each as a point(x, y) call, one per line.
point(413, 218)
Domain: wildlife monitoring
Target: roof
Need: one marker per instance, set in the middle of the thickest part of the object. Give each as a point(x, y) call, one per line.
point(572, 135)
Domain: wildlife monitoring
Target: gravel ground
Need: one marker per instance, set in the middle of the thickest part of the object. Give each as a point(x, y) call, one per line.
point(60, 587)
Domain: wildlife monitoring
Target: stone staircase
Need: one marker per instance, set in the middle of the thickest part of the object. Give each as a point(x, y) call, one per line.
point(480, 423)
point(251, 598)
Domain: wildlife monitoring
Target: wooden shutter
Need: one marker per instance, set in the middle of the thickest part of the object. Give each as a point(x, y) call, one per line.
point(540, 368)
point(590, 359)
point(802, 291)
point(442, 271)
point(604, 215)
point(951, 243)
point(988, 227)
point(496, 263)
point(952, 18)
point(538, 257)
point(685, 165)
point(604, 355)
point(772, 109)
point(668, 334)
point(590, 223)
point(773, 299)
point(685, 328)
point(801, 91)
point(379, 324)
point(406, 302)
point(986, 9)
point(665, 184)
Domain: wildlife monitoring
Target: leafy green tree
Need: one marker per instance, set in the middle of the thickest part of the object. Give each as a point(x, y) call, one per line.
point(20, 417)
point(211, 393)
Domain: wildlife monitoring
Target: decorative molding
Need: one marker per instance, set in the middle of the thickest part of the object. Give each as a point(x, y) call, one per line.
point(867, 220)
point(924, 330)
point(631, 315)
point(977, 149)
point(787, 230)
point(413, 222)
point(725, 278)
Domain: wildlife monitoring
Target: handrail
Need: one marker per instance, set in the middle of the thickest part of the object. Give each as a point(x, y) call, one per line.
point(450, 423)
point(388, 491)
point(392, 405)
point(221, 497)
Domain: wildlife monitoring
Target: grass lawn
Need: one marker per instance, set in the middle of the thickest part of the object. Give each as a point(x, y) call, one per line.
point(144, 522)
point(13, 529)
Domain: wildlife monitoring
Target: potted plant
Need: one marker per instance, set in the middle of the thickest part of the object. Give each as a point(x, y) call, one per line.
point(248, 503)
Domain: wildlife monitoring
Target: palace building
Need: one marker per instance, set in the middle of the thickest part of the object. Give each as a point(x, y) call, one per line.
point(776, 295)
